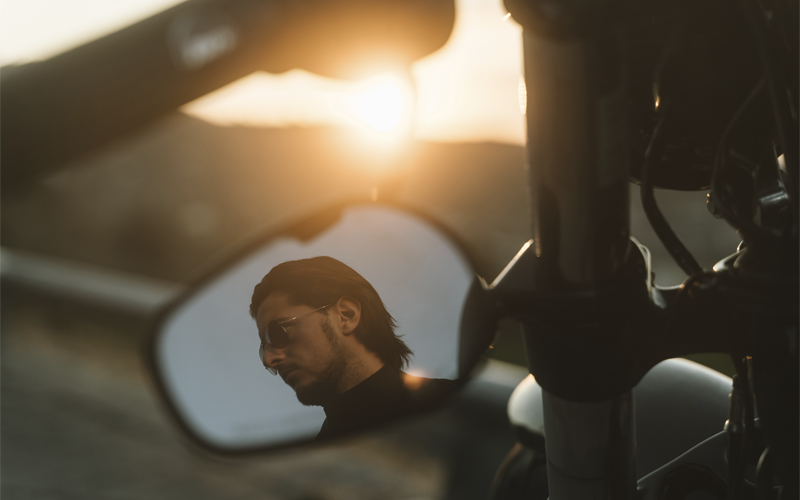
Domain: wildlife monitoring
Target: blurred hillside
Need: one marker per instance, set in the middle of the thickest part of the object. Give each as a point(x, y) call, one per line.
point(180, 192)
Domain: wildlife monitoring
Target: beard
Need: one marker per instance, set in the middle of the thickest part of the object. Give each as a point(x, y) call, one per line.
point(324, 387)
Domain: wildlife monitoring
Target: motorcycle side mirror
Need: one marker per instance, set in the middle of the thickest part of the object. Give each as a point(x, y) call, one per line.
point(204, 346)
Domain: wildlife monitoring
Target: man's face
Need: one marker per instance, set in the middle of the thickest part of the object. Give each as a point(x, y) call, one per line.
point(312, 363)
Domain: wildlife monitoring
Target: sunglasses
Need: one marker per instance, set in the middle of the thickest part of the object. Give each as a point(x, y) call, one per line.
point(276, 336)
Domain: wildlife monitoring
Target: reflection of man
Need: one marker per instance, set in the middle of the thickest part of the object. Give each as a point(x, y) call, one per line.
point(325, 330)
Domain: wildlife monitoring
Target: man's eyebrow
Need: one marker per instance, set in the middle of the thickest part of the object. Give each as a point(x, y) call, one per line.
point(282, 318)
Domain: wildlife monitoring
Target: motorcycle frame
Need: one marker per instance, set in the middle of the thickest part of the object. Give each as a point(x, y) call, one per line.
point(581, 292)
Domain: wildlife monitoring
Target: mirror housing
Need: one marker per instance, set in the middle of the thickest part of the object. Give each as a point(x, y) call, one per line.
point(203, 348)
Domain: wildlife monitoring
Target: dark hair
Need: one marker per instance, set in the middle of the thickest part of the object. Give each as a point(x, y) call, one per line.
point(320, 281)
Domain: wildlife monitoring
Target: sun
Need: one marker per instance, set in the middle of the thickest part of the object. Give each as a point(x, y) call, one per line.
point(382, 105)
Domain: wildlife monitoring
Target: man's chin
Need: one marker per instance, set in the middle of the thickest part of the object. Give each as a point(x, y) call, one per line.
point(313, 394)
point(320, 389)
point(316, 392)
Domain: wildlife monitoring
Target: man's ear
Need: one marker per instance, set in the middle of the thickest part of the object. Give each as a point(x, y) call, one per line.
point(349, 310)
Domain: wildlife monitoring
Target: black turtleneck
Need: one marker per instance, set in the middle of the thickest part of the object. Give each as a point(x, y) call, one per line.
point(380, 397)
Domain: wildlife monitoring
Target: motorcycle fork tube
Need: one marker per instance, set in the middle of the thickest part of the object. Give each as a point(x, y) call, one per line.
point(589, 448)
point(578, 178)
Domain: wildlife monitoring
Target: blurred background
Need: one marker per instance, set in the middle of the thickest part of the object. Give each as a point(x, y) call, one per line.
point(91, 251)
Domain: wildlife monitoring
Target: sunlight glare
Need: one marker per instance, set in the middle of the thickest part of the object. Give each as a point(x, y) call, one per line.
point(381, 105)
point(465, 91)
point(34, 30)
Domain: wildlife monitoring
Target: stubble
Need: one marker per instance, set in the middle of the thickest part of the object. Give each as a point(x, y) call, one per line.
point(324, 387)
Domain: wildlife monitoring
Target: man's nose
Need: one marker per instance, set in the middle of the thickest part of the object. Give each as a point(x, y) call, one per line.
point(272, 356)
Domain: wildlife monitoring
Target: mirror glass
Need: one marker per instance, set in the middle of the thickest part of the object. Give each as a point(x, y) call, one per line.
point(205, 349)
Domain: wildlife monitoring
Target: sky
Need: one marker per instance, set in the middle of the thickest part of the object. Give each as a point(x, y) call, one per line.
point(466, 91)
